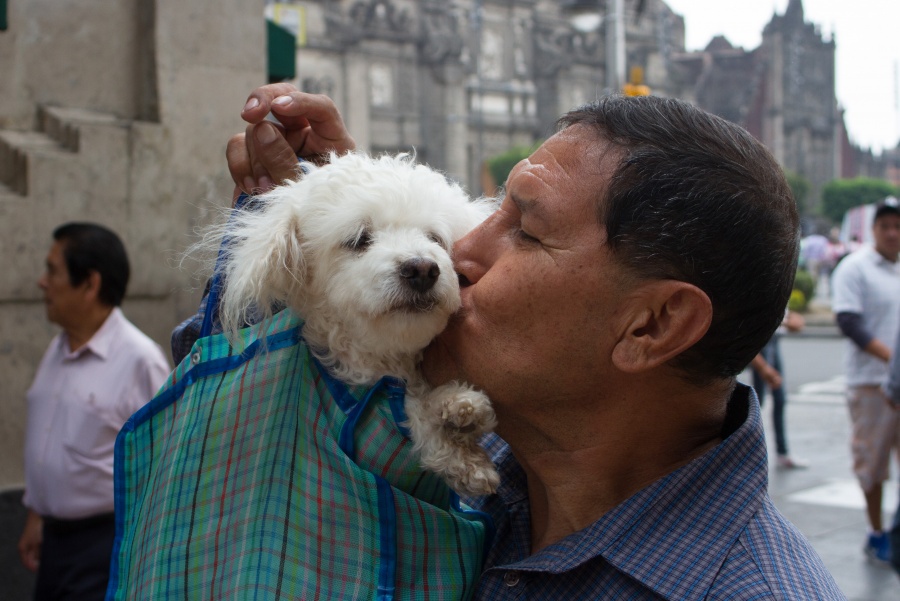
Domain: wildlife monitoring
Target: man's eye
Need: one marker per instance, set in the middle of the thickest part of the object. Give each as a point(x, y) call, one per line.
point(360, 242)
point(525, 237)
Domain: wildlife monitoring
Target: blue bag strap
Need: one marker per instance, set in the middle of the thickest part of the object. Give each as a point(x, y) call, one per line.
point(211, 310)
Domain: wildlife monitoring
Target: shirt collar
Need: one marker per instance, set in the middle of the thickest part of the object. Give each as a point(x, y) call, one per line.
point(708, 501)
point(100, 343)
point(880, 258)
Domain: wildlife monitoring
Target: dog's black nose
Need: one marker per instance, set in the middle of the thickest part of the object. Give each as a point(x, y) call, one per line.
point(420, 274)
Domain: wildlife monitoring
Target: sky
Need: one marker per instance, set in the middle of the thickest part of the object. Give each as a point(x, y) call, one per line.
point(867, 36)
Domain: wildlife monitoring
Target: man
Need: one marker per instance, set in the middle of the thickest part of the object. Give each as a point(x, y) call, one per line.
point(866, 303)
point(767, 371)
point(96, 372)
point(892, 391)
point(605, 313)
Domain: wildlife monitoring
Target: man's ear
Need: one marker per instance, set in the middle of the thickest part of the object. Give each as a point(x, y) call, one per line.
point(92, 283)
point(666, 318)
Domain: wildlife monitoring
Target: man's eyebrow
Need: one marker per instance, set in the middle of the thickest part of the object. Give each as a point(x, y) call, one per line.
point(527, 205)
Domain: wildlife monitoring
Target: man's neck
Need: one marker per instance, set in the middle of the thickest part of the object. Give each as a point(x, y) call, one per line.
point(592, 469)
point(888, 256)
point(80, 333)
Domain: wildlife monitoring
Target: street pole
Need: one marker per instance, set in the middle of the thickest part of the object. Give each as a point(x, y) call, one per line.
point(615, 46)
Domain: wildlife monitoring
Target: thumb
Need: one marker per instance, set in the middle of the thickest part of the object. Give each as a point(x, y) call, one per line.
point(272, 159)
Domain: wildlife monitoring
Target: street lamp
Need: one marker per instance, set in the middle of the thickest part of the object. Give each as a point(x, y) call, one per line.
point(586, 15)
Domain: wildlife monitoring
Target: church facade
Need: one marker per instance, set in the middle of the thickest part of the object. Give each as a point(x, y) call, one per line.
point(464, 81)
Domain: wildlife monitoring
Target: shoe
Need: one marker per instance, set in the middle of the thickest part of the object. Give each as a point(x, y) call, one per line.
point(878, 548)
point(786, 462)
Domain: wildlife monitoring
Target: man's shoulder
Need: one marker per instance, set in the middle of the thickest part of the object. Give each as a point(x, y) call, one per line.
point(134, 342)
point(771, 558)
point(853, 262)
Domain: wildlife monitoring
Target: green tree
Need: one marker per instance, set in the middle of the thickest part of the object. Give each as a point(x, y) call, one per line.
point(500, 165)
point(800, 187)
point(842, 194)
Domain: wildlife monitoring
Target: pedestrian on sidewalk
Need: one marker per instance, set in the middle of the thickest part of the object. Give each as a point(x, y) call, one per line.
point(768, 371)
point(866, 303)
point(95, 374)
point(892, 391)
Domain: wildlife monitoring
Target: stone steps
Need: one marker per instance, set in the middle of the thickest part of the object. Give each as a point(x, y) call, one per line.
point(60, 131)
point(15, 149)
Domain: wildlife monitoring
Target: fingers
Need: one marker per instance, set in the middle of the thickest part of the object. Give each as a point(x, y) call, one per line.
point(260, 158)
point(318, 117)
point(265, 155)
point(259, 103)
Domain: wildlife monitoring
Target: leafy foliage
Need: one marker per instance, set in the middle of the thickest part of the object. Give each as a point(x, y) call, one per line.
point(840, 195)
point(797, 302)
point(800, 187)
point(500, 165)
point(805, 285)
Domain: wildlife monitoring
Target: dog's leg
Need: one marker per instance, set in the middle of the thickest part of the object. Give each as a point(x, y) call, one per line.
point(445, 424)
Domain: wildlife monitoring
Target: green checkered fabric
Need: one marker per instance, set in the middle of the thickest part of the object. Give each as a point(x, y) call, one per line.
point(255, 475)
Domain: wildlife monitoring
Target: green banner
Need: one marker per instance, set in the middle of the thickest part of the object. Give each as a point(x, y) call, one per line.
point(282, 52)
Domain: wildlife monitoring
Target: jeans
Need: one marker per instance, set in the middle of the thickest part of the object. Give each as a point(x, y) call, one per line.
point(772, 354)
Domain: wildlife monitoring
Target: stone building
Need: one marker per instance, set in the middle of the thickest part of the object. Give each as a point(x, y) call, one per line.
point(783, 92)
point(114, 112)
point(462, 81)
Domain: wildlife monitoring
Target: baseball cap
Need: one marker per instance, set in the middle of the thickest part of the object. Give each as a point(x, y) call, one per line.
point(888, 206)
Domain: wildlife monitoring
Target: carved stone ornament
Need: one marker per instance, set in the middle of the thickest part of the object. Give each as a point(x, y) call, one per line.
point(369, 19)
point(441, 40)
point(557, 45)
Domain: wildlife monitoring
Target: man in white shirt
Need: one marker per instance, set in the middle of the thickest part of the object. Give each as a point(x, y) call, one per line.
point(866, 288)
point(94, 375)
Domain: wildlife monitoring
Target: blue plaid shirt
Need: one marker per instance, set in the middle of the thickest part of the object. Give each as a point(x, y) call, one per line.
point(706, 531)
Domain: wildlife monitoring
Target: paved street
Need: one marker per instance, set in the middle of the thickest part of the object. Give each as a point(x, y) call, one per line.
point(824, 501)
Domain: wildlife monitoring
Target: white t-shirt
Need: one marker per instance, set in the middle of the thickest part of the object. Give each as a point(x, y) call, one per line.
point(868, 284)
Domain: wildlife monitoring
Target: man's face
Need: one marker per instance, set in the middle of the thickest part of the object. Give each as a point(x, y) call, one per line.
point(886, 231)
point(64, 302)
point(540, 288)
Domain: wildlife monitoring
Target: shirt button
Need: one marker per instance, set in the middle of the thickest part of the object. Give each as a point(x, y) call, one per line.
point(511, 578)
point(195, 358)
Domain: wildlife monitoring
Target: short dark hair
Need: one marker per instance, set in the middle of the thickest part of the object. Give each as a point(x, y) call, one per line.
point(698, 199)
point(91, 247)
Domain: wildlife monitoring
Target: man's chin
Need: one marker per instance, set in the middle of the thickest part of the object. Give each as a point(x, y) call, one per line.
point(438, 365)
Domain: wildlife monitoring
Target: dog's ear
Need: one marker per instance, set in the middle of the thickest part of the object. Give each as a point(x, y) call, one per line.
point(265, 267)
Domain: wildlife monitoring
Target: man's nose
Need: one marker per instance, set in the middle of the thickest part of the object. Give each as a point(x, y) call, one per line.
point(473, 253)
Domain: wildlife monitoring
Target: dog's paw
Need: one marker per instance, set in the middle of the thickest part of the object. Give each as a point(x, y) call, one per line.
point(468, 412)
point(477, 480)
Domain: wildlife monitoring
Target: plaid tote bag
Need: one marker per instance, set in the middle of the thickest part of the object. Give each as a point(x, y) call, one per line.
point(253, 474)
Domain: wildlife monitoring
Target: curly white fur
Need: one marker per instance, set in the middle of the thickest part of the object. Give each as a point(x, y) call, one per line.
point(360, 248)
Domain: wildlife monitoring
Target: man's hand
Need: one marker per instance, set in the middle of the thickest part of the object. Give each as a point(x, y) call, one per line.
point(769, 374)
point(265, 155)
point(30, 541)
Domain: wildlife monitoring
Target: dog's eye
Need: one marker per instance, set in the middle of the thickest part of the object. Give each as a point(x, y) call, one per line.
point(437, 240)
point(360, 242)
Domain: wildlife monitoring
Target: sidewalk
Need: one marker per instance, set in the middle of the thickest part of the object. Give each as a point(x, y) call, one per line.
point(824, 501)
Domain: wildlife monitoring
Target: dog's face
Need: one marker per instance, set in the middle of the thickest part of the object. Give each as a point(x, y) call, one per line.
point(375, 237)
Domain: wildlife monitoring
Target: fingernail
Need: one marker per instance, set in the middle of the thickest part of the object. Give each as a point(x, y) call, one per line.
point(266, 133)
point(251, 104)
point(283, 100)
point(265, 184)
point(249, 184)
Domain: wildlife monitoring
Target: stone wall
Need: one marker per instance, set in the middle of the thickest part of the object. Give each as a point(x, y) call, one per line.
point(116, 113)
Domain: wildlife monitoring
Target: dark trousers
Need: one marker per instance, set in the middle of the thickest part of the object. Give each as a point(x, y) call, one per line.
point(772, 354)
point(75, 557)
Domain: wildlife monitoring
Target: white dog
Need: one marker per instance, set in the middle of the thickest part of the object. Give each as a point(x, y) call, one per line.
point(360, 249)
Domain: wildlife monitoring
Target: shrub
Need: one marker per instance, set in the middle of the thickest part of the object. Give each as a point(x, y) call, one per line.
point(805, 283)
point(502, 164)
point(797, 302)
